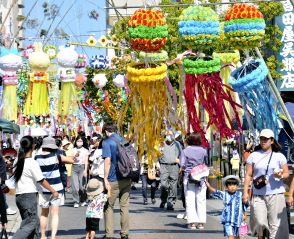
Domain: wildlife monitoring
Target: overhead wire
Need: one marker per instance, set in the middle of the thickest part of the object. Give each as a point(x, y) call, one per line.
point(70, 7)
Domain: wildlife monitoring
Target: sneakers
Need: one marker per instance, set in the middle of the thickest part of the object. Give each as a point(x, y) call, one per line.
point(181, 216)
point(153, 200)
point(83, 204)
point(9, 211)
point(76, 205)
point(191, 226)
point(145, 202)
point(200, 226)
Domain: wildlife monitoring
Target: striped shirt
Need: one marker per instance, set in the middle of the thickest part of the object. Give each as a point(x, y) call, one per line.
point(232, 213)
point(50, 168)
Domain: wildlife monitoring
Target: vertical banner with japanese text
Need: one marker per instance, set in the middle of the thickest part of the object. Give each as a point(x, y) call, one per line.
point(286, 54)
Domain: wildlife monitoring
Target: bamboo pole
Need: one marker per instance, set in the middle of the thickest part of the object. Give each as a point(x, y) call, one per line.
point(277, 93)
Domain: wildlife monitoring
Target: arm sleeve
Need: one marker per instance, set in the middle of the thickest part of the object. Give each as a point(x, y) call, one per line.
point(250, 159)
point(106, 152)
point(183, 160)
point(218, 194)
point(283, 159)
point(36, 171)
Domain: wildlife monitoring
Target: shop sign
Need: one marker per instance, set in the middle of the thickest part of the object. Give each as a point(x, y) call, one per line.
point(286, 54)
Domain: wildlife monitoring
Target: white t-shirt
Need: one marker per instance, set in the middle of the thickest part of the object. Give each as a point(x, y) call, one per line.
point(97, 168)
point(30, 176)
point(83, 155)
point(259, 161)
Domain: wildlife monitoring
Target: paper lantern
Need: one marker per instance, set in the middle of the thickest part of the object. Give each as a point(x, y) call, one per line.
point(153, 56)
point(199, 26)
point(148, 30)
point(244, 26)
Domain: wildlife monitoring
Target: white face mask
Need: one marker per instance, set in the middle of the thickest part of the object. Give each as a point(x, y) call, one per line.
point(79, 144)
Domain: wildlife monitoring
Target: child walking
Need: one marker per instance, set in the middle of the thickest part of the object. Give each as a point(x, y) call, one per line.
point(97, 199)
point(233, 213)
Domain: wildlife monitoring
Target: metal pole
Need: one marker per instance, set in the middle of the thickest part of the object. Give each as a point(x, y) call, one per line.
point(186, 5)
point(277, 93)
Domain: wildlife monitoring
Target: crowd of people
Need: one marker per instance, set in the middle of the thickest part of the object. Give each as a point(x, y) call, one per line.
point(47, 168)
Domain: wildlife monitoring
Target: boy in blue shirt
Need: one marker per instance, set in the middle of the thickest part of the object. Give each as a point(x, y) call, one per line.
point(233, 213)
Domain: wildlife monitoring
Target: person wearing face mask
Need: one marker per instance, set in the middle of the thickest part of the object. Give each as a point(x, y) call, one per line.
point(79, 169)
point(169, 171)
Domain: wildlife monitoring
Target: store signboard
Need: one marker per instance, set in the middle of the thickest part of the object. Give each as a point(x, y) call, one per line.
point(286, 54)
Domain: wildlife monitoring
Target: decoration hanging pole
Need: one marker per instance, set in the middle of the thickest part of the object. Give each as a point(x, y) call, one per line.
point(277, 93)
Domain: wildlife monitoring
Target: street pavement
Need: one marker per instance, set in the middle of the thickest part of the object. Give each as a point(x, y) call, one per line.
point(146, 221)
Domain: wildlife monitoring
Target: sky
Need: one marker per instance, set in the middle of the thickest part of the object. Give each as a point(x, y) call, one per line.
point(72, 18)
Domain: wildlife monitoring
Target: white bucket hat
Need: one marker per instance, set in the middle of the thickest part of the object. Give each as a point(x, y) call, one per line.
point(49, 143)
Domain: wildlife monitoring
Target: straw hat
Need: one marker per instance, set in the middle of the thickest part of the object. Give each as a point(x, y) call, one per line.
point(49, 143)
point(94, 188)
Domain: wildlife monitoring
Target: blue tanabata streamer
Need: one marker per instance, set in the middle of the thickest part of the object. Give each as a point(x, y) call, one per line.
point(254, 91)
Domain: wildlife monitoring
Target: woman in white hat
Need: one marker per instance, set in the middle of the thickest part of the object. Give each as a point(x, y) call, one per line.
point(49, 164)
point(268, 167)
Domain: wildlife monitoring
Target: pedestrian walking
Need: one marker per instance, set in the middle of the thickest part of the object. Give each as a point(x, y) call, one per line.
point(169, 171)
point(234, 211)
point(116, 186)
point(96, 161)
point(268, 167)
point(50, 167)
point(79, 171)
point(69, 152)
point(96, 201)
point(27, 174)
point(148, 177)
point(195, 191)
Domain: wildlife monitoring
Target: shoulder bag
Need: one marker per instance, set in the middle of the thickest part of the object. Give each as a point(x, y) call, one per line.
point(262, 180)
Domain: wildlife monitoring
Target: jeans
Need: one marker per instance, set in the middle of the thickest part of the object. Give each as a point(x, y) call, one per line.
point(145, 181)
point(28, 209)
point(119, 189)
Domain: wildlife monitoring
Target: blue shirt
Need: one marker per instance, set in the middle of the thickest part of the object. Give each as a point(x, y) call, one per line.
point(232, 213)
point(110, 150)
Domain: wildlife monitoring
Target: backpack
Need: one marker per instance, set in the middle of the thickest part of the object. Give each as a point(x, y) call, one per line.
point(128, 165)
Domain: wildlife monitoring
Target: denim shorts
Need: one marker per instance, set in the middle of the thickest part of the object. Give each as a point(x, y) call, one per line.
point(231, 231)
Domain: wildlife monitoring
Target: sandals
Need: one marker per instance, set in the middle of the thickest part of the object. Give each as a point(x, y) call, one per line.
point(192, 226)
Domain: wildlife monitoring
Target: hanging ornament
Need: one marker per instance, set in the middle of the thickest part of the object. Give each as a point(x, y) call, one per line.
point(68, 98)
point(199, 26)
point(204, 85)
point(149, 104)
point(28, 50)
point(99, 80)
point(119, 80)
point(99, 62)
point(51, 51)
point(82, 61)
point(244, 26)
point(91, 41)
point(103, 40)
point(255, 94)
point(114, 40)
point(10, 62)
point(153, 56)
point(147, 30)
point(37, 100)
point(81, 79)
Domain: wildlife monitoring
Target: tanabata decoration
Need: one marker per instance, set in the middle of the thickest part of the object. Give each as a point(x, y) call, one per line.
point(37, 100)
point(10, 62)
point(204, 85)
point(153, 56)
point(82, 61)
point(80, 80)
point(199, 26)
point(68, 98)
point(148, 30)
point(148, 100)
point(229, 61)
point(119, 81)
point(51, 51)
point(99, 80)
point(28, 50)
point(99, 62)
point(250, 81)
point(244, 26)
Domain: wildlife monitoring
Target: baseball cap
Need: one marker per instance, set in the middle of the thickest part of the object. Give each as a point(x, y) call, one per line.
point(267, 133)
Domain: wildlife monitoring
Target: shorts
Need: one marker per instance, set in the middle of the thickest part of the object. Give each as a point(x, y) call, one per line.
point(92, 224)
point(47, 200)
point(231, 231)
